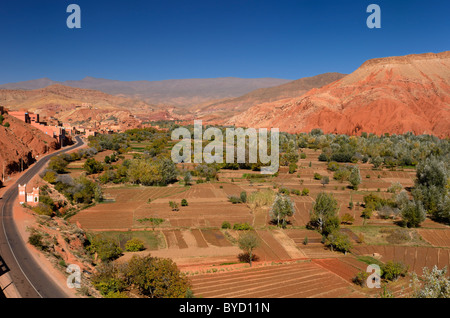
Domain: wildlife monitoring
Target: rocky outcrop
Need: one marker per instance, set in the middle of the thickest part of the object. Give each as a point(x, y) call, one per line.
point(20, 143)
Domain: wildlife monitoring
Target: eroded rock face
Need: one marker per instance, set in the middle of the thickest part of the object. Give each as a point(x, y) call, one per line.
point(22, 142)
point(394, 95)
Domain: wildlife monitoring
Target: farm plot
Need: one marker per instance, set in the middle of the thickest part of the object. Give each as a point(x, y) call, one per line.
point(216, 238)
point(196, 214)
point(436, 237)
point(416, 258)
point(314, 248)
point(119, 215)
point(296, 280)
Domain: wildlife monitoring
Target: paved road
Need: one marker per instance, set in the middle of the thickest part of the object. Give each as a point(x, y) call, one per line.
point(29, 278)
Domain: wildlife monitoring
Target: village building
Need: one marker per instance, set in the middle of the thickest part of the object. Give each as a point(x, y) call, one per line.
point(31, 198)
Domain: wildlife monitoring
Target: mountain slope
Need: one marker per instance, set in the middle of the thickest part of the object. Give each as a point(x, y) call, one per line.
point(271, 94)
point(61, 102)
point(21, 143)
point(183, 92)
point(395, 95)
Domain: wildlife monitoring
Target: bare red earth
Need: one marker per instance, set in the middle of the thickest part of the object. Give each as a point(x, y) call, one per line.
point(395, 95)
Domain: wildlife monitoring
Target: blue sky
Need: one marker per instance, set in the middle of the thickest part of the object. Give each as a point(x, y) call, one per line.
point(175, 39)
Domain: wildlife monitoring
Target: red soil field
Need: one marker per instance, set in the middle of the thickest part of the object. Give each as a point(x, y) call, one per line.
point(216, 238)
point(436, 237)
point(199, 238)
point(296, 280)
point(174, 239)
point(415, 257)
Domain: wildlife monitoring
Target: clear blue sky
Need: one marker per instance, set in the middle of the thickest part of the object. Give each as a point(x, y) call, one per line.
point(174, 39)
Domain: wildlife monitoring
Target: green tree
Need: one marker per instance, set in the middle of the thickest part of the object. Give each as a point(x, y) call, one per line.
point(247, 242)
point(50, 176)
point(243, 197)
point(376, 162)
point(413, 214)
point(292, 167)
point(106, 249)
point(187, 179)
point(156, 277)
point(155, 222)
point(92, 166)
point(324, 214)
point(325, 180)
point(109, 279)
point(355, 177)
point(58, 164)
point(393, 270)
point(281, 208)
point(338, 241)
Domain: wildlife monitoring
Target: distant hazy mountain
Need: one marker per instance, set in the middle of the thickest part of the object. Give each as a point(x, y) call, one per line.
point(270, 94)
point(184, 92)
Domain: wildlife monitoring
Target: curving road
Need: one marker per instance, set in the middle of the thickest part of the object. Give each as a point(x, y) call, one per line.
point(29, 278)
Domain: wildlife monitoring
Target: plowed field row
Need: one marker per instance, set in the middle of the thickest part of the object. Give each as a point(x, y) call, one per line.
point(293, 280)
point(415, 257)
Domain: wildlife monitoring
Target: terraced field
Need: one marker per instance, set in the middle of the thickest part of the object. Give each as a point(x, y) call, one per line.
point(296, 280)
point(120, 214)
point(415, 257)
point(436, 237)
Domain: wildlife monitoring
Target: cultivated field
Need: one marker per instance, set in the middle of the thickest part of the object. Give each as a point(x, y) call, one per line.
point(285, 266)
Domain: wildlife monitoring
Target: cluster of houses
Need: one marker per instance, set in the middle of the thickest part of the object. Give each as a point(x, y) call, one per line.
point(55, 128)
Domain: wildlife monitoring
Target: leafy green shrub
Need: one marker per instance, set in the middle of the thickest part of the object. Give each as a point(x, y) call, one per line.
point(243, 197)
point(174, 206)
point(341, 175)
point(134, 245)
point(292, 168)
point(35, 239)
point(323, 157)
point(338, 241)
point(305, 192)
point(184, 202)
point(317, 176)
point(226, 225)
point(284, 191)
point(50, 176)
point(242, 227)
point(361, 278)
point(108, 279)
point(58, 164)
point(395, 187)
point(333, 166)
point(347, 218)
point(43, 209)
point(393, 270)
point(106, 249)
point(234, 199)
point(116, 294)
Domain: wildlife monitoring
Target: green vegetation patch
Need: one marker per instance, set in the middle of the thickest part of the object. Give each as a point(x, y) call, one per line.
point(152, 240)
point(383, 235)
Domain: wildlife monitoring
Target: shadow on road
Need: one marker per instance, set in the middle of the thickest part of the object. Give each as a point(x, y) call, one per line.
point(3, 267)
point(3, 270)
